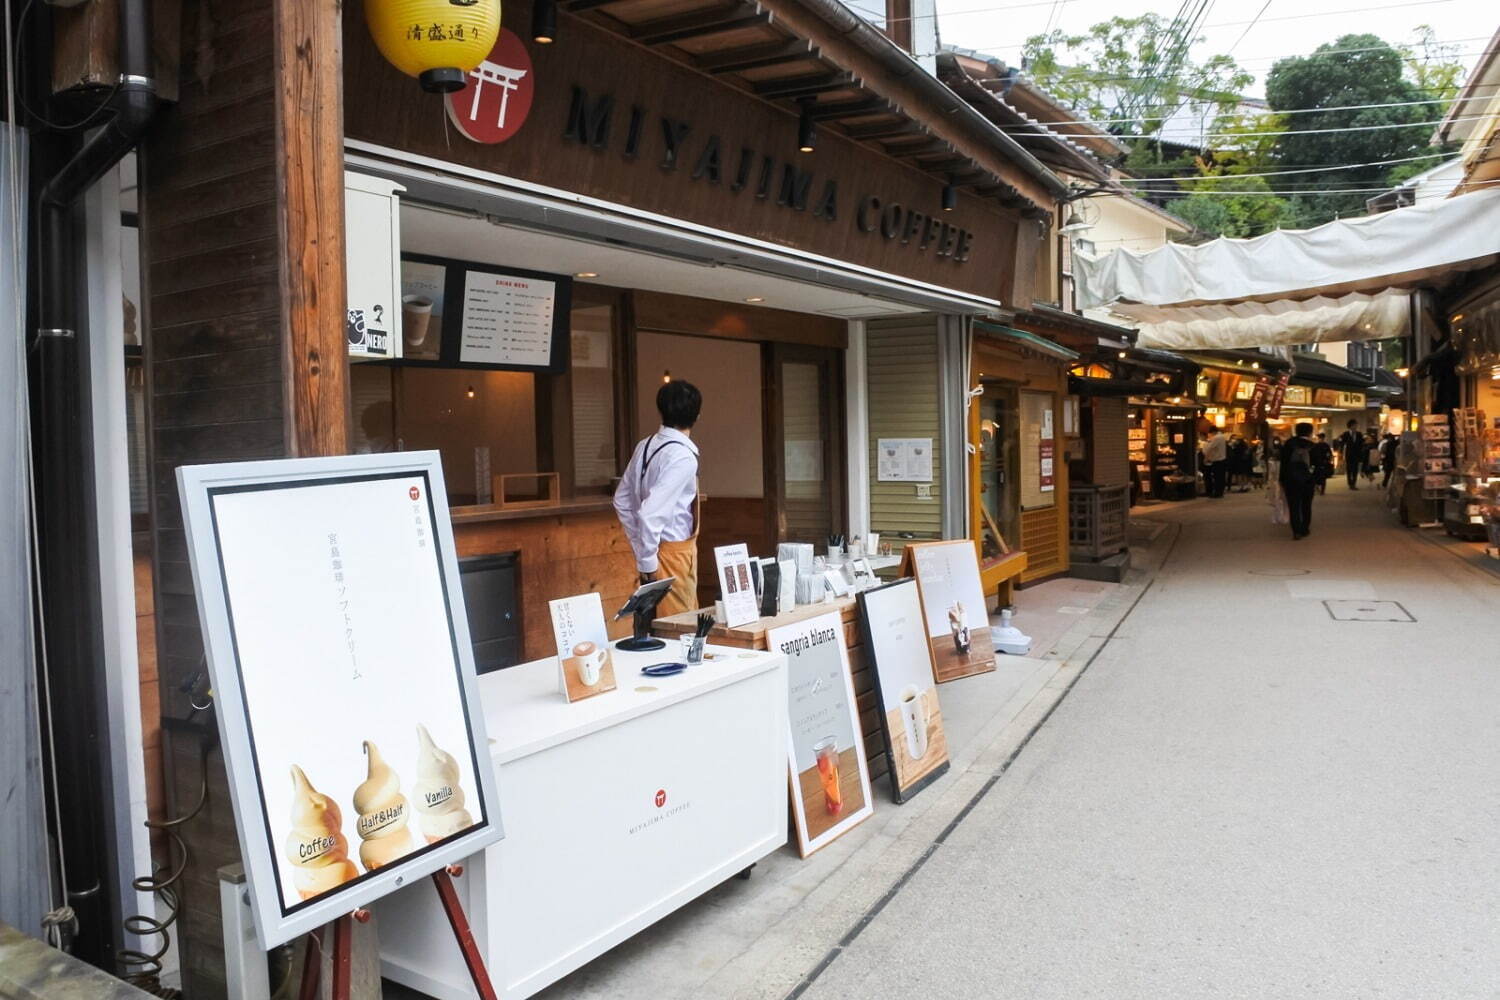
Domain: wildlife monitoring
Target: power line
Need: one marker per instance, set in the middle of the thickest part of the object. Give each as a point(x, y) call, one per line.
point(1308, 131)
point(1267, 112)
point(1283, 173)
point(1230, 24)
point(1257, 17)
point(1285, 192)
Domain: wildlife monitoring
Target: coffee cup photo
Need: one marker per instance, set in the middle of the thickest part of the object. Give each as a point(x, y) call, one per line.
point(915, 719)
point(588, 660)
point(416, 313)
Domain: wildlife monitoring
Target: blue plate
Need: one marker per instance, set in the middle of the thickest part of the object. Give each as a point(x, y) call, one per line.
point(663, 669)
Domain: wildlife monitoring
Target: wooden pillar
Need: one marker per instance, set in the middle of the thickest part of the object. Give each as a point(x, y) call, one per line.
point(242, 247)
point(310, 192)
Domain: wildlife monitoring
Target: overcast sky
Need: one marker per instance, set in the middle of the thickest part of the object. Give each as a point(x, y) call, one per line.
point(1287, 27)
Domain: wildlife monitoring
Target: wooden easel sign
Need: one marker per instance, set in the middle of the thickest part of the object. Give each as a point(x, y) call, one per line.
point(343, 679)
point(953, 606)
point(916, 741)
point(830, 780)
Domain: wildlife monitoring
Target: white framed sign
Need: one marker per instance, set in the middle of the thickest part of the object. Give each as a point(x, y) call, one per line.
point(736, 588)
point(825, 749)
point(343, 678)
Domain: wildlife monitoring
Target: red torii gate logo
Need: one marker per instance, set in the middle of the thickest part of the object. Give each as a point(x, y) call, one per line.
point(497, 93)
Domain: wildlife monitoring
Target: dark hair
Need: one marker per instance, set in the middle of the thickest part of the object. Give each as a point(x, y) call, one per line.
point(678, 402)
point(1354, 423)
point(1304, 430)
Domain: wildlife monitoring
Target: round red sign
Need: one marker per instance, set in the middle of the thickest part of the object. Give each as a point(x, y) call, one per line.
point(414, 493)
point(661, 797)
point(497, 93)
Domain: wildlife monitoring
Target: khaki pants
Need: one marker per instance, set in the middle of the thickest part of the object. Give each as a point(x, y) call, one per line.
point(680, 560)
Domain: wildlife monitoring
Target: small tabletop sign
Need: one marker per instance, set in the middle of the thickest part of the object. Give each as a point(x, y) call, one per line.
point(912, 720)
point(735, 586)
point(585, 659)
point(826, 755)
point(343, 678)
point(958, 625)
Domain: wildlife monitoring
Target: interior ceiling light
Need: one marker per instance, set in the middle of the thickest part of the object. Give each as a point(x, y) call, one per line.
point(756, 298)
point(544, 21)
point(807, 132)
point(586, 274)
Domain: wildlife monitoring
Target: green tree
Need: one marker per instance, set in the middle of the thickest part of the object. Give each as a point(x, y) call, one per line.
point(1433, 67)
point(1239, 207)
point(1132, 71)
point(1354, 70)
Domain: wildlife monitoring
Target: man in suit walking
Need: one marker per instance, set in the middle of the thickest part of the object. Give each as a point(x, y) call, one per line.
point(1351, 445)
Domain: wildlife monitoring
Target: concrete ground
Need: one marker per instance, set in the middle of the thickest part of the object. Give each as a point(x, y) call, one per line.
point(1239, 796)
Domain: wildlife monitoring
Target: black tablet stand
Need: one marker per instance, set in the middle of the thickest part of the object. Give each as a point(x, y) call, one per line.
point(643, 603)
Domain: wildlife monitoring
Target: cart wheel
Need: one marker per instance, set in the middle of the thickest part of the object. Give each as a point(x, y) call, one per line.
point(744, 875)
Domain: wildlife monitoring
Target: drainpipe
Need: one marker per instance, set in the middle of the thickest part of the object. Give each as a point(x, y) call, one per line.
point(71, 631)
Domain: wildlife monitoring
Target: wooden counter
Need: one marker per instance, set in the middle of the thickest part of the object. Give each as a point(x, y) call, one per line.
point(753, 636)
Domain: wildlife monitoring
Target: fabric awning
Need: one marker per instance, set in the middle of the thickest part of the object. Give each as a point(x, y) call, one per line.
point(1032, 340)
point(1345, 280)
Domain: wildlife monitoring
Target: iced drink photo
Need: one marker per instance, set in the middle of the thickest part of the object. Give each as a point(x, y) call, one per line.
point(825, 751)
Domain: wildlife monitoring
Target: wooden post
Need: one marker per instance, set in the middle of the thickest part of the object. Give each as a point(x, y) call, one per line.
point(310, 192)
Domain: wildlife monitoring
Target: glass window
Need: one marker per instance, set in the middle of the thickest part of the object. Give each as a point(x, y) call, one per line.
point(489, 424)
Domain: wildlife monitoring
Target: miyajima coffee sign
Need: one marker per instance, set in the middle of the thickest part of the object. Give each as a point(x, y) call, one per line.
point(687, 152)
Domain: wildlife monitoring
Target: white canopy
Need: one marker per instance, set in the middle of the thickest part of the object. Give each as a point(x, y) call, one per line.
point(1340, 281)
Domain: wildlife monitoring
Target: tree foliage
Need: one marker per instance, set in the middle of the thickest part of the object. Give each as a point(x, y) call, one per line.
point(1133, 72)
point(1354, 70)
point(1224, 205)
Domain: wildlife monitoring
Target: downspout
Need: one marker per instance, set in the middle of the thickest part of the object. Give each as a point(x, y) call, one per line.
point(71, 630)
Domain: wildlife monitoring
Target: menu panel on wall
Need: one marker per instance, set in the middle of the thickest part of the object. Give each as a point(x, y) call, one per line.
point(343, 678)
point(498, 318)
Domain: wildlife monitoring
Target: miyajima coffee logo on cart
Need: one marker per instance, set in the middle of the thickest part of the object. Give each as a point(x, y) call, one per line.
point(680, 147)
point(497, 93)
point(660, 813)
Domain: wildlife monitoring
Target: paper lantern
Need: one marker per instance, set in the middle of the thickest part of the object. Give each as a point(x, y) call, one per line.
point(436, 41)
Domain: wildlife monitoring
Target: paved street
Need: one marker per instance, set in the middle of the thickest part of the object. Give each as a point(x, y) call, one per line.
point(1241, 797)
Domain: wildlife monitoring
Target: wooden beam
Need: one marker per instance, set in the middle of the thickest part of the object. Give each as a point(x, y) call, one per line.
point(802, 86)
point(579, 6)
point(679, 28)
point(897, 128)
point(751, 56)
point(835, 110)
point(309, 97)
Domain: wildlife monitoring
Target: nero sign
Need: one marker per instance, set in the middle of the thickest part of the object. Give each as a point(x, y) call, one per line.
point(677, 147)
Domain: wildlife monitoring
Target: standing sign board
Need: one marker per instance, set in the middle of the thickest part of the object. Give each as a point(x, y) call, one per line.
point(916, 741)
point(343, 678)
point(830, 779)
point(958, 626)
point(736, 588)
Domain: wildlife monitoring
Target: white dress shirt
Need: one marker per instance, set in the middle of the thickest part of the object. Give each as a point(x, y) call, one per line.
point(1216, 449)
point(657, 506)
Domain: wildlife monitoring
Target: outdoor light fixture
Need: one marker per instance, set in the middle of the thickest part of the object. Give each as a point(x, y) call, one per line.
point(807, 137)
point(433, 40)
point(469, 392)
point(1122, 354)
point(586, 274)
point(1402, 372)
point(950, 196)
point(755, 298)
point(544, 21)
point(1076, 224)
point(1255, 364)
point(666, 377)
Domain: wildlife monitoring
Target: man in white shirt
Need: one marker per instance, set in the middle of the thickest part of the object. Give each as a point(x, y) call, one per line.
point(657, 499)
point(1215, 462)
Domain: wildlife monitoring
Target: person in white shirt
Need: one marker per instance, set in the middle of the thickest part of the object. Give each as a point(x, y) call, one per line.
point(657, 499)
point(1215, 462)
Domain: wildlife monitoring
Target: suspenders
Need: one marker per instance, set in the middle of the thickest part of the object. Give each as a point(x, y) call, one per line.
point(647, 455)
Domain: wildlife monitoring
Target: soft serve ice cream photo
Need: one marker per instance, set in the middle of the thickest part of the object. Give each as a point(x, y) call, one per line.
point(438, 793)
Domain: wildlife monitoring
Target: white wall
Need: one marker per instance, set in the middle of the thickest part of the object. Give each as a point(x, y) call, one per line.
point(729, 433)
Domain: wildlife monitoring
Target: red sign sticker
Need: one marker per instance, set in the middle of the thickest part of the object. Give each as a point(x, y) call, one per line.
point(414, 493)
point(661, 797)
point(497, 93)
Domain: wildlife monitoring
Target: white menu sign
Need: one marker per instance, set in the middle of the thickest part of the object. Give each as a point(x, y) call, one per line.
point(904, 460)
point(735, 584)
point(507, 320)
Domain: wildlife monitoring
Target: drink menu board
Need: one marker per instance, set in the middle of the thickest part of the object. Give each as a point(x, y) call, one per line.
point(507, 320)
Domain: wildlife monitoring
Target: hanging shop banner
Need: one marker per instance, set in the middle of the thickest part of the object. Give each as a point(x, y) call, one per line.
point(736, 588)
point(1339, 399)
point(1259, 397)
point(1278, 395)
point(496, 96)
point(585, 658)
point(1047, 454)
point(953, 608)
point(916, 742)
point(343, 678)
point(830, 779)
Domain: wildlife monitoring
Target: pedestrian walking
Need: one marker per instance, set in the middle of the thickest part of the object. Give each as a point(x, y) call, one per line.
point(1298, 480)
point(1215, 462)
point(1322, 457)
point(1372, 456)
point(1388, 458)
point(1351, 445)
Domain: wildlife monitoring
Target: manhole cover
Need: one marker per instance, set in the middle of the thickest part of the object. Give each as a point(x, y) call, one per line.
point(1367, 611)
point(1279, 572)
